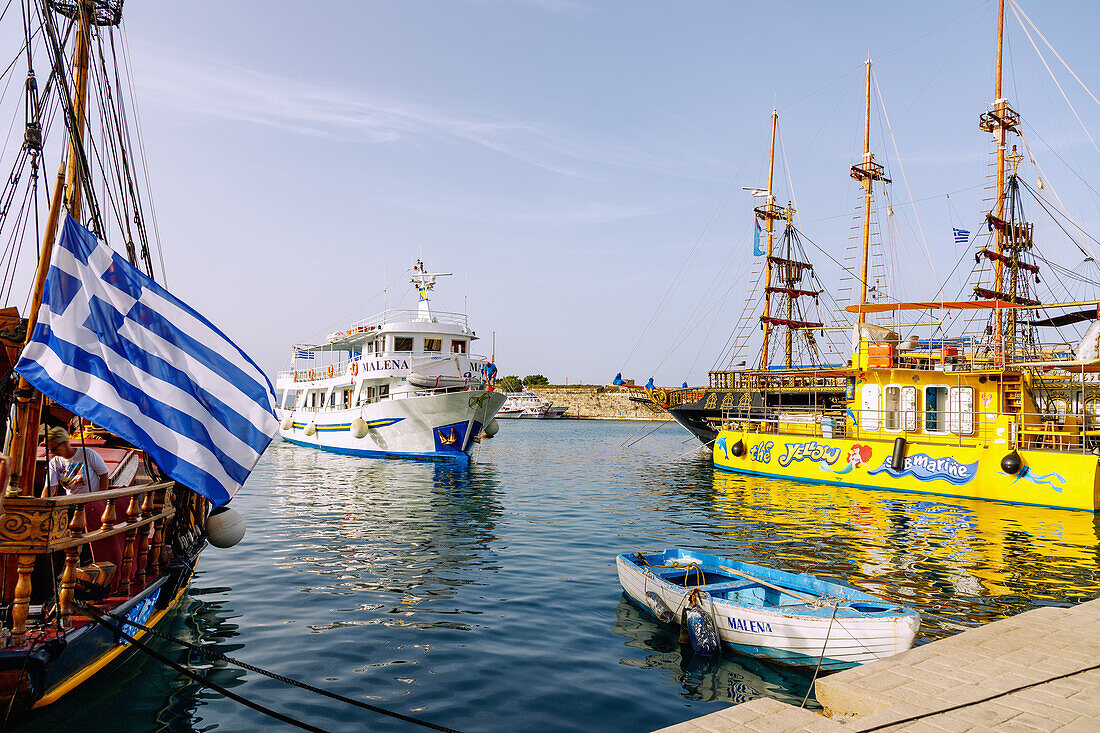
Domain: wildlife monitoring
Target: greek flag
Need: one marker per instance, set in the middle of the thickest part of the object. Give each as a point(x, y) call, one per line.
point(304, 355)
point(118, 349)
point(962, 236)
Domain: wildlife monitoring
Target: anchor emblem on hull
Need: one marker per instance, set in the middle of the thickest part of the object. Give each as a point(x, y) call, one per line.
point(448, 439)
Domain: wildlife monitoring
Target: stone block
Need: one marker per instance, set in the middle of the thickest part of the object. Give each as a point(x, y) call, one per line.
point(987, 713)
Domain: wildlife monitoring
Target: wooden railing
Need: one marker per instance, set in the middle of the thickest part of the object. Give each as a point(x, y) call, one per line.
point(31, 527)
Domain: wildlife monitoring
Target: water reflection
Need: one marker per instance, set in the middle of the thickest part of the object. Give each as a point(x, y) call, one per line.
point(144, 694)
point(729, 678)
point(398, 539)
point(960, 562)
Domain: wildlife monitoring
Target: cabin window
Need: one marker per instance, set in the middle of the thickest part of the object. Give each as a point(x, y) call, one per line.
point(458, 347)
point(1092, 413)
point(379, 345)
point(332, 398)
point(960, 415)
point(402, 343)
point(1058, 406)
point(870, 406)
point(909, 408)
point(891, 408)
point(383, 391)
point(433, 345)
point(935, 409)
point(347, 398)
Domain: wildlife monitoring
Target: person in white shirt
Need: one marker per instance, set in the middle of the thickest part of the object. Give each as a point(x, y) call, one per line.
point(78, 470)
point(75, 470)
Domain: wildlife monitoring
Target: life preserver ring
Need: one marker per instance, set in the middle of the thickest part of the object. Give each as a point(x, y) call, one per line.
point(354, 368)
point(330, 370)
point(311, 375)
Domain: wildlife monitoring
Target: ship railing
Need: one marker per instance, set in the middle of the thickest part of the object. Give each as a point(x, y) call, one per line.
point(34, 528)
point(342, 368)
point(404, 315)
point(1068, 433)
point(760, 380)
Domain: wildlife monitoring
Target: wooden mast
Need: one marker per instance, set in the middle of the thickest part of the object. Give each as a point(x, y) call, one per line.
point(998, 110)
point(768, 214)
point(866, 172)
point(23, 441)
point(790, 283)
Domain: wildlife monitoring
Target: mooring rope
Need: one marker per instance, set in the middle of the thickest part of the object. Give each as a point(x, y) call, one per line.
point(97, 615)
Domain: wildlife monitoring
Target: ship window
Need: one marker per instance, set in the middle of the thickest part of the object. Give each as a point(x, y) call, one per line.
point(870, 407)
point(935, 409)
point(960, 416)
point(433, 345)
point(383, 391)
point(379, 345)
point(891, 408)
point(458, 347)
point(332, 398)
point(402, 343)
point(347, 397)
point(909, 408)
point(1092, 413)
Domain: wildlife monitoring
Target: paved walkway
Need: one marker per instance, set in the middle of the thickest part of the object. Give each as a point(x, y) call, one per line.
point(967, 682)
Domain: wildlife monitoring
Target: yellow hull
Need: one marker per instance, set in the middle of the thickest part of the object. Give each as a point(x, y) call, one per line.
point(1053, 479)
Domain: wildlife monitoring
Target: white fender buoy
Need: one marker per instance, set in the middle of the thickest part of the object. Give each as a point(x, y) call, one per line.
point(492, 428)
point(287, 423)
point(359, 427)
point(311, 428)
point(224, 527)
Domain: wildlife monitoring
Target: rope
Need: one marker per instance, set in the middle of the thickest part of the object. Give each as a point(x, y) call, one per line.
point(97, 614)
point(821, 658)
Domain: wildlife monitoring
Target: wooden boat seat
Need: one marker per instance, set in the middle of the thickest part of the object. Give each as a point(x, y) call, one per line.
point(730, 585)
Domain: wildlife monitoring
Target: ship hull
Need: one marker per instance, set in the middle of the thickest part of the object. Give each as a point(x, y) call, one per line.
point(1054, 479)
point(439, 426)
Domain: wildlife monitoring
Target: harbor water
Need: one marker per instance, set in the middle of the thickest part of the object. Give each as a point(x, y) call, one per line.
point(485, 598)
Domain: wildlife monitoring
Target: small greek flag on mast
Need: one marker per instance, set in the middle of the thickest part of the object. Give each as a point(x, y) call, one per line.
point(962, 236)
point(116, 348)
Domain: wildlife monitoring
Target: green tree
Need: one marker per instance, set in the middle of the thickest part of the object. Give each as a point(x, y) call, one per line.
point(535, 379)
point(510, 383)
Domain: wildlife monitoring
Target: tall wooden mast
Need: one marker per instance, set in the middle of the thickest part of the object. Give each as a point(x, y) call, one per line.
point(23, 440)
point(867, 172)
point(768, 215)
point(1000, 121)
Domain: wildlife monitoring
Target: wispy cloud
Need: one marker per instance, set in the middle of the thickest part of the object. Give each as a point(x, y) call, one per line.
point(223, 91)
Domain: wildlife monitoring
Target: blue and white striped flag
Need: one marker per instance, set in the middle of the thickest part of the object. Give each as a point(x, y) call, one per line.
point(962, 236)
point(304, 355)
point(116, 348)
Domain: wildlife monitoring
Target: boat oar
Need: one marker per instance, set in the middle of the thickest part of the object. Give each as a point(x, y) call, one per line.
point(800, 596)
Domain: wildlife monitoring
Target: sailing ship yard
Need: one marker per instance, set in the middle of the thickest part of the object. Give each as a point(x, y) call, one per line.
point(558, 365)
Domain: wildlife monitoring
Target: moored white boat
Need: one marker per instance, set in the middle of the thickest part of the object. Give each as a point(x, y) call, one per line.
point(791, 619)
point(401, 384)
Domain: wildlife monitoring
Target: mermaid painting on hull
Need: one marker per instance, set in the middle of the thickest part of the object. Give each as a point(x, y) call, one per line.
point(857, 456)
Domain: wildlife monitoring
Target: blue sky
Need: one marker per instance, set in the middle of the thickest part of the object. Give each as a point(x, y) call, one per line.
point(566, 158)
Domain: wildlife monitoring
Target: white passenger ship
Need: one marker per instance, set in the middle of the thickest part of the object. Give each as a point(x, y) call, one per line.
point(401, 384)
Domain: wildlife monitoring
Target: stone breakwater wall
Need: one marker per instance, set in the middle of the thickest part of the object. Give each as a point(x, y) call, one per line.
point(598, 402)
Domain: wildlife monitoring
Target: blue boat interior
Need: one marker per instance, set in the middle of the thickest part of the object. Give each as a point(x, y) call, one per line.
point(766, 587)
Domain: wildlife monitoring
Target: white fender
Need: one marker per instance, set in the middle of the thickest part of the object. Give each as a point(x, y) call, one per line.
point(359, 427)
point(287, 423)
point(492, 428)
point(224, 527)
point(311, 428)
